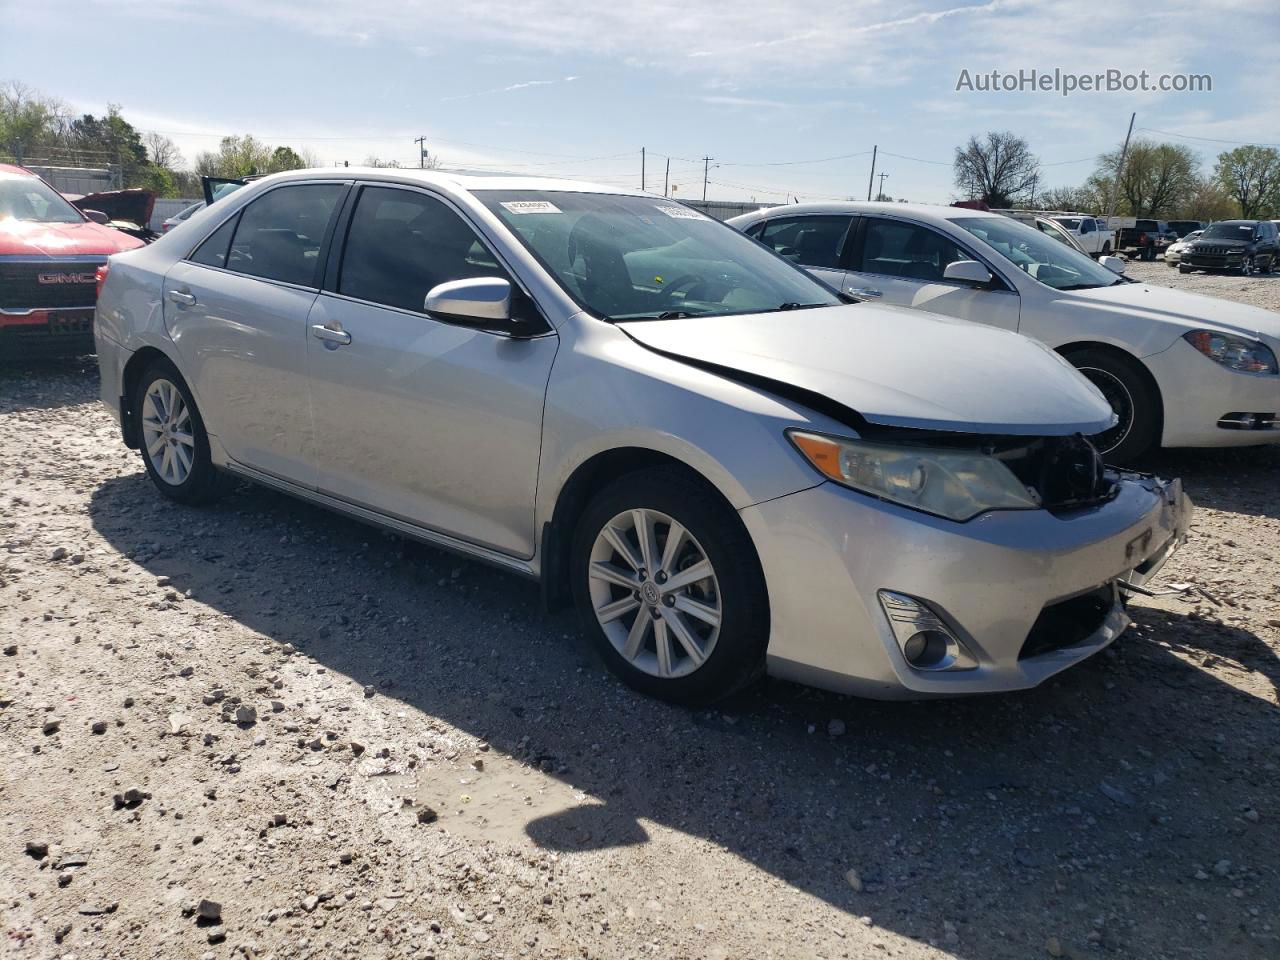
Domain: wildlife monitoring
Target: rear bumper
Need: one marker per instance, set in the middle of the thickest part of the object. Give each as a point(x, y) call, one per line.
point(1028, 593)
point(46, 333)
point(111, 362)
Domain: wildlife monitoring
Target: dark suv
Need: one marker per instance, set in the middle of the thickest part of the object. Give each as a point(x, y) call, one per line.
point(1243, 246)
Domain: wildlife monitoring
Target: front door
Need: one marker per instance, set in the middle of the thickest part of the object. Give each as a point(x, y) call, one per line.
point(434, 422)
point(237, 309)
point(901, 262)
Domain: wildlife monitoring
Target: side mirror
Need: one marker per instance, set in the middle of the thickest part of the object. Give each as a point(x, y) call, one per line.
point(967, 271)
point(481, 298)
point(1114, 264)
point(97, 216)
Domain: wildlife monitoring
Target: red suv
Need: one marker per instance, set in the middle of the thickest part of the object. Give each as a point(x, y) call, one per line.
point(49, 254)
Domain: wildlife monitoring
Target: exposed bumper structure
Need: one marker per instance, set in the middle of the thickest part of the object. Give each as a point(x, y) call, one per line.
point(1026, 594)
point(1218, 407)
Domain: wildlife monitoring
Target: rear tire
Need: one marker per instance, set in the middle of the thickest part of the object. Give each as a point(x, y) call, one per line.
point(687, 641)
point(1132, 398)
point(173, 441)
point(1183, 268)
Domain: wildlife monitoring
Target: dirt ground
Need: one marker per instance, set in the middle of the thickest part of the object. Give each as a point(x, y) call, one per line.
point(351, 745)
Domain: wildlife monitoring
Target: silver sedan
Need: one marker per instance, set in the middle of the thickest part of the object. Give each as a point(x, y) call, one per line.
point(726, 466)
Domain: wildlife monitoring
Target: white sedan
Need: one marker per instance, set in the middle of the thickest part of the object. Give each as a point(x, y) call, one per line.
point(1173, 255)
point(1179, 369)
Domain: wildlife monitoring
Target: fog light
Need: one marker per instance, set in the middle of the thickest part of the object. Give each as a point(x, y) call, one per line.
point(926, 649)
point(926, 642)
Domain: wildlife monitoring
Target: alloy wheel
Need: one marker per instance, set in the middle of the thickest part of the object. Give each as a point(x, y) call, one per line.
point(655, 593)
point(1121, 402)
point(166, 432)
point(1246, 266)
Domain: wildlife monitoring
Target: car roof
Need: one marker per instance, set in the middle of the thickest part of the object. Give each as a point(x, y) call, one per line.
point(922, 210)
point(465, 180)
point(8, 171)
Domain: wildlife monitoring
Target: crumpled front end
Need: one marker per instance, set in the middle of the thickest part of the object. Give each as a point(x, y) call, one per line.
point(878, 600)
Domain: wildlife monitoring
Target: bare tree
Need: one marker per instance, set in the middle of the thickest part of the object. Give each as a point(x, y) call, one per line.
point(998, 168)
point(29, 119)
point(162, 151)
point(1251, 176)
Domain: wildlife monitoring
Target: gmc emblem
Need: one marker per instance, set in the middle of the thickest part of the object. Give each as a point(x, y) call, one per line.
point(66, 278)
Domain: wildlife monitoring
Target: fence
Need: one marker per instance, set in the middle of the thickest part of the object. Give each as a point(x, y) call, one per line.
point(75, 179)
point(725, 209)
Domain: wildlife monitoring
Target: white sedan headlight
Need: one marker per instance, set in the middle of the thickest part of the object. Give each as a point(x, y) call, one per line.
point(1238, 353)
point(956, 484)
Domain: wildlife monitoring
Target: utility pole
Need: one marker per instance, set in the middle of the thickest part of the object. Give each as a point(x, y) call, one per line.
point(706, 169)
point(881, 193)
point(1115, 182)
point(666, 180)
point(871, 179)
point(422, 152)
point(642, 168)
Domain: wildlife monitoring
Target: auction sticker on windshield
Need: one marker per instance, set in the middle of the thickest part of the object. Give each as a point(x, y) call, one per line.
point(530, 206)
point(681, 213)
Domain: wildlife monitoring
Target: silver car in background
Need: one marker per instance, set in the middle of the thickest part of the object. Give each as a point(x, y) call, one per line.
point(726, 466)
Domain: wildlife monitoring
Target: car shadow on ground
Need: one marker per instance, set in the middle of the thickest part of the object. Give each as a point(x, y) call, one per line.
point(1234, 479)
point(46, 383)
point(1018, 817)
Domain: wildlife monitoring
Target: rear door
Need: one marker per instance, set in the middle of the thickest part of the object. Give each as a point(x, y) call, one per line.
point(902, 262)
point(816, 242)
point(237, 308)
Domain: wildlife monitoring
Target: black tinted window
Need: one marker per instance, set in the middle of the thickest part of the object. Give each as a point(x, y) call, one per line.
point(402, 243)
point(213, 252)
point(906, 250)
point(809, 241)
point(280, 233)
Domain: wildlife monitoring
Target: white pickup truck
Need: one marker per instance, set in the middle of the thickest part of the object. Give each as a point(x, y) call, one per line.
point(1090, 232)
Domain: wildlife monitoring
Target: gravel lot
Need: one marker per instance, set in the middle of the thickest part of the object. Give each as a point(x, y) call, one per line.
point(351, 745)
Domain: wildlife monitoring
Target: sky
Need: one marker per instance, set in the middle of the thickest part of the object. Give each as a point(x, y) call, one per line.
point(787, 96)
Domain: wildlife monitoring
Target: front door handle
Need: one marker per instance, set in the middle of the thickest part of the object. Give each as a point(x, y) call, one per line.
point(864, 292)
point(182, 297)
point(337, 338)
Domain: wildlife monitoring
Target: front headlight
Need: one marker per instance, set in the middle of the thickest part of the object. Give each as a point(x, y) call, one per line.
point(956, 484)
point(1249, 356)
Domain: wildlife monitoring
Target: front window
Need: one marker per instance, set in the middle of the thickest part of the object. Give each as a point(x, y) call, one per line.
point(1038, 255)
point(28, 198)
point(628, 257)
point(1071, 223)
point(1228, 231)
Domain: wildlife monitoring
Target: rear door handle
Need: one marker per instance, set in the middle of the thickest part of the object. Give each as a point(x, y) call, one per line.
point(182, 297)
point(864, 292)
point(339, 338)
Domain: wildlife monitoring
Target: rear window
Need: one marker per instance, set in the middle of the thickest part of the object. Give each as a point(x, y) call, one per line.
point(280, 233)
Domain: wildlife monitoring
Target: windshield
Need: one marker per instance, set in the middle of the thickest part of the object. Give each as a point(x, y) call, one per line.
point(1228, 231)
point(1071, 223)
point(1052, 263)
point(29, 198)
point(627, 257)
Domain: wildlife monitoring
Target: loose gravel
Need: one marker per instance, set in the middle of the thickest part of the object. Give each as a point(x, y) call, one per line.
point(259, 730)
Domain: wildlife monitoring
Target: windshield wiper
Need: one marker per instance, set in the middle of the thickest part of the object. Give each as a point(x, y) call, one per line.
point(792, 305)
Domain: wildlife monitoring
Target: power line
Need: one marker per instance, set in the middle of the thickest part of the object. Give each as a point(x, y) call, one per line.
point(1187, 136)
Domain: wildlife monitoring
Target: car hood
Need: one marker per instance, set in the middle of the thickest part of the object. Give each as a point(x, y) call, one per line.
point(1184, 311)
point(28, 238)
point(134, 206)
point(894, 367)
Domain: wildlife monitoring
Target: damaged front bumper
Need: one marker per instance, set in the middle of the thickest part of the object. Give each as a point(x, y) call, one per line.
point(1021, 595)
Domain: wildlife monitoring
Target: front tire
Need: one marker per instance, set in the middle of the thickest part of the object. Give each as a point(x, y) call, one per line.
point(174, 444)
point(1246, 267)
point(669, 588)
point(1183, 268)
point(1131, 396)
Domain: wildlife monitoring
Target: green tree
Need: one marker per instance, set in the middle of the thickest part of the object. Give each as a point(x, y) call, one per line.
point(29, 122)
point(1250, 175)
point(285, 158)
point(113, 139)
point(1157, 178)
point(247, 156)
